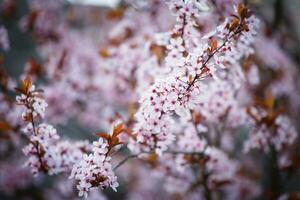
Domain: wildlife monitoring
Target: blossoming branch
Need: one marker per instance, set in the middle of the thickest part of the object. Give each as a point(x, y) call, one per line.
point(199, 96)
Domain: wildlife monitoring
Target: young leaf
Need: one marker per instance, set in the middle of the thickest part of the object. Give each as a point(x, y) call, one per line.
point(103, 135)
point(25, 86)
point(213, 45)
point(118, 129)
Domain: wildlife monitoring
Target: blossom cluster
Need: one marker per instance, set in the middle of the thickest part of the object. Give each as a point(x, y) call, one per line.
point(51, 155)
point(276, 131)
point(185, 88)
point(45, 151)
point(95, 170)
point(35, 106)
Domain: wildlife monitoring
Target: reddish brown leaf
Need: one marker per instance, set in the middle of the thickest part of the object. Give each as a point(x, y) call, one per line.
point(234, 24)
point(243, 11)
point(33, 67)
point(158, 51)
point(270, 100)
point(4, 126)
point(213, 45)
point(104, 53)
point(118, 129)
point(26, 85)
point(103, 135)
point(190, 78)
point(240, 8)
point(197, 118)
point(115, 14)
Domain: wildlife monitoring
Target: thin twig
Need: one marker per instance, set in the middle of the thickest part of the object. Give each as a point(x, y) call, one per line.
point(168, 152)
point(211, 55)
point(125, 160)
point(36, 144)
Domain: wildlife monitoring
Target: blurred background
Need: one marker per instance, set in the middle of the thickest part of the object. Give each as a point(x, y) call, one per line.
point(281, 17)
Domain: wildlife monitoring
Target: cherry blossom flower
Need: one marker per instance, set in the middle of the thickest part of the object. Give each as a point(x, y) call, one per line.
point(262, 137)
